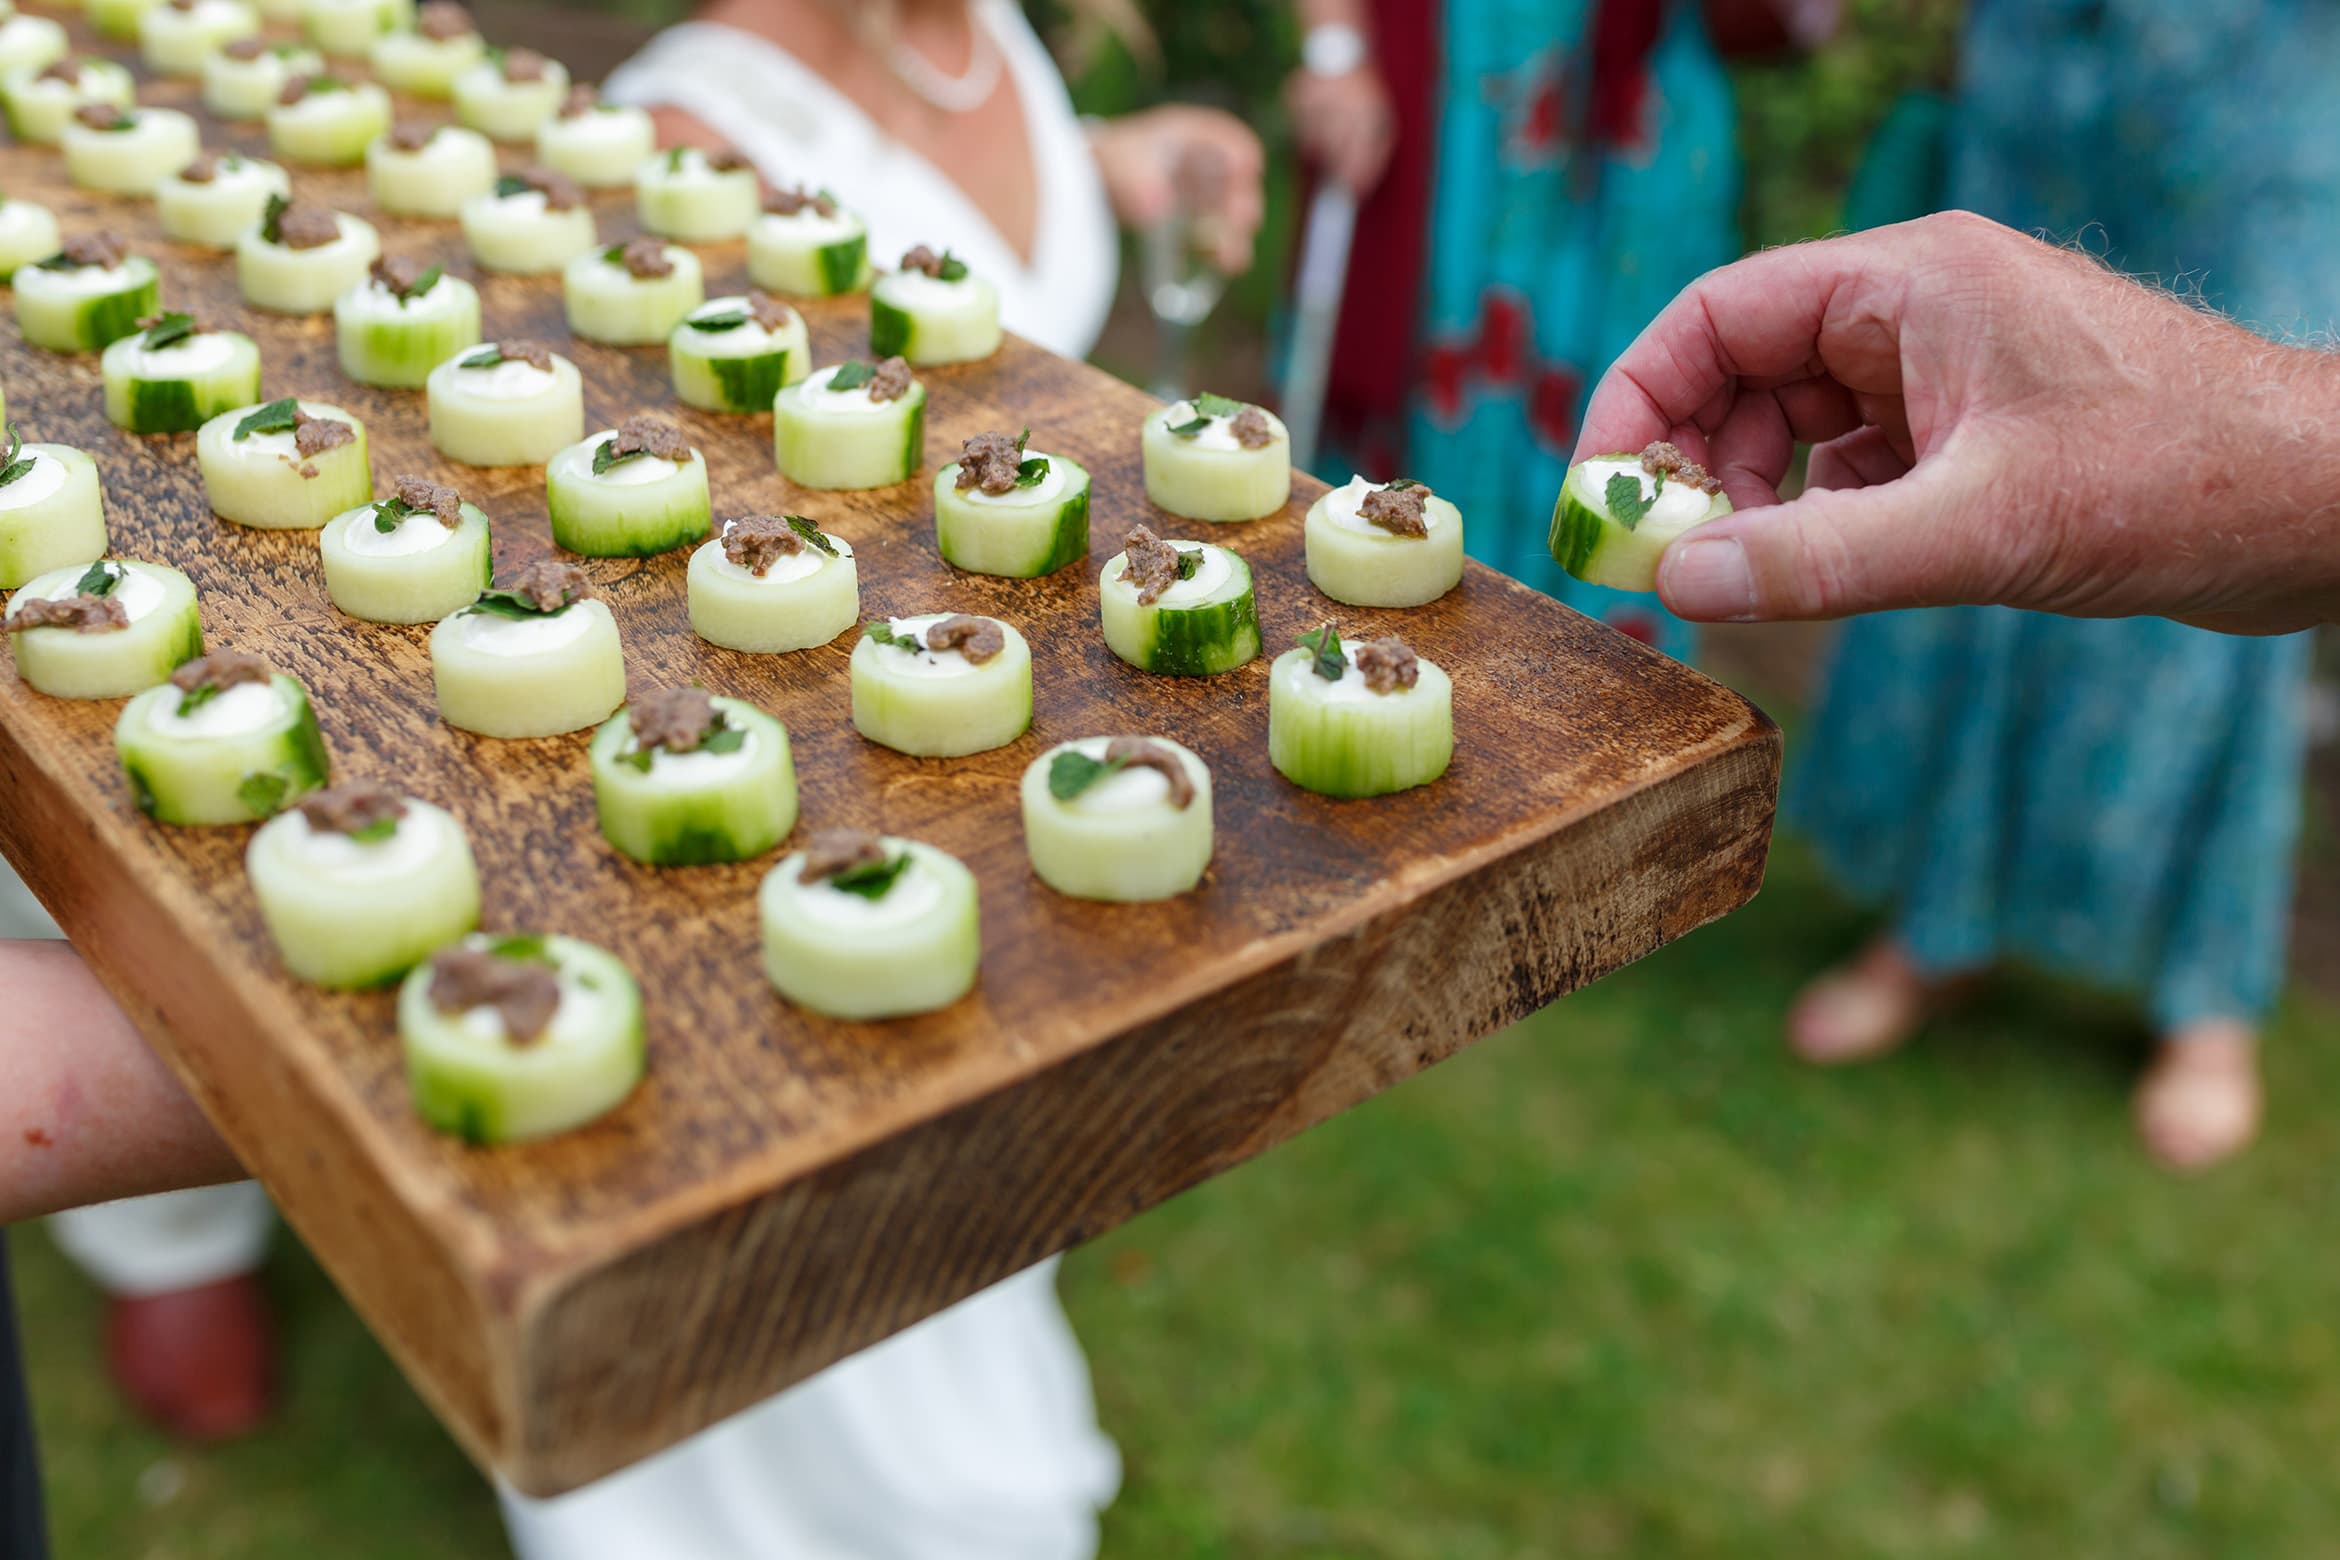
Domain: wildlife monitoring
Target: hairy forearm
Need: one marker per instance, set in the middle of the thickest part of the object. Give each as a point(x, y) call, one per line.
point(87, 1113)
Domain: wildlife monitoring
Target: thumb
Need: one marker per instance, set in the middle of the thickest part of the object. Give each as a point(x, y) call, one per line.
point(1919, 540)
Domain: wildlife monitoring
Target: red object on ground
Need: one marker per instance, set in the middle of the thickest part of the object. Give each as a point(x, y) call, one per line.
point(199, 1363)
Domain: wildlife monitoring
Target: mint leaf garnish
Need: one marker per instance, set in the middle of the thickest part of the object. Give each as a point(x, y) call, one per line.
point(1331, 662)
point(512, 184)
point(486, 357)
point(172, 327)
point(952, 269)
point(1217, 405)
point(871, 880)
point(1625, 500)
point(272, 218)
point(422, 285)
point(1072, 771)
point(276, 417)
point(811, 533)
point(729, 319)
point(99, 580)
point(197, 697)
point(1189, 562)
point(511, 604)
point(883, 632)
point(522, 949)
point(853, 375)
point(17, 463)
point(603, 459)
point(376, 832)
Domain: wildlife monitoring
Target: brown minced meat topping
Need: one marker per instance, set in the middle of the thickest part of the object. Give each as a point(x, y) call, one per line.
point(1661, 459)
point(1152, 565)
point(583, 99)
point(83, 613)
point(646, 258)
point(67, 69)
point(524, 65)
point(412, 135)
point(726, 159)
point(643, 434)
point(990, 463)
point(550, 585)
point(306, 226)
point(1396, 510)
point(768, 311)
point(1386, 664)
point(924, 259)
point(204, 169)
point(787, 201)
point(296, 88)
point(222, 669)
point(756, 542)
point(976, 638)
point(560, 192)
point(524, 995)
point(1141, 753)
point(101, 248)
point(434, 498)
point(101, 116)
point(892, 381)
point(245, 48)
point(197, 324)
point(676, 719)
point(831, 851)
point(444, 19)
point(534, 353)
point(316, 435)
point(399, 273)
point(352, 808)
point(1252, 430)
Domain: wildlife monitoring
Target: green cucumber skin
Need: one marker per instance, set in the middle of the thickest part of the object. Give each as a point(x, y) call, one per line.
point(889, 330)
point(1069, 545)
point(306, 768)
point(680, 829)
point(444, 1105)
point(1207, 640)
point(914, 444)
point(841, 264)
point(750, 383)
point(581, 534)
point(165, 406)
point(1577, 532)
point(107, 320)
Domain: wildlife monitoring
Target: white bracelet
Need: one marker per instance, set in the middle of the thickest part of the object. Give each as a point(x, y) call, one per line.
point(1334, 49)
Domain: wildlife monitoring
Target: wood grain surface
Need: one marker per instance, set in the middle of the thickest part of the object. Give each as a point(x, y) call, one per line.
point(785, 1189)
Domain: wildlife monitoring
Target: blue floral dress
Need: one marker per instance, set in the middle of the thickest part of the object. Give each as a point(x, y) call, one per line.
point(2119, 799)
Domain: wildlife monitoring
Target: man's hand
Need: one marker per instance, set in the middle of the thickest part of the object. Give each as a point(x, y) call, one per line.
point(1345, 125)
point(1206, 158)
point(1994, 421)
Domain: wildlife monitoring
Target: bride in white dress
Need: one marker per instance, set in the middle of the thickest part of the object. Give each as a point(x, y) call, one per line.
point(973, 1436)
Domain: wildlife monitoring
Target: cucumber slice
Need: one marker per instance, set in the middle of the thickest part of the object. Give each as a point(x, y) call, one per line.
point(52, 515)
point(350, 913)
point(178, 387)
point(41, 106)
point(388, 340)
point(692, 809)
point(331, 127)
point(607, 302)
point(841, 440)
point(346, 29)
point(69, 308)
point(522, 236)
point(27, 233)
point(681, 194)
point(504, 412)
point(915, 949)
point(119, 18)
point(807, 255)
point(1209, 475)
point(933, 704)
point(424, 67)
point(66, 663)
point(262, 480)
point(599, 147)
point(1122, 838)
point(469, 1076)
point(641, 505)
point(176, 42)
point(152, 144)
point(283, 280)
point(1340, 738)
point(416, 572)
point(239, 757)
point(1200, 627)
point(528, 677)
point(802, 600)
point(218, 211)
point(508, 110)
point(725, 360)
point(453, 168)
point(237, 87)
point(918, 317)
point(29, 44)
point(1021, 534)
point(1355, 561)
point(1592, 543)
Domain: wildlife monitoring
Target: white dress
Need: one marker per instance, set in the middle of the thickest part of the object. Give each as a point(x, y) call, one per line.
point(972, 1436)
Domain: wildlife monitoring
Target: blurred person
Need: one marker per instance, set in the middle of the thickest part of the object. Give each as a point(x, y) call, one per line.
point(2118, 800)
point(1537, 180)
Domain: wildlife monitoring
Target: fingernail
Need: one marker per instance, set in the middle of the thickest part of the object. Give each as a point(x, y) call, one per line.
point(1708, 579)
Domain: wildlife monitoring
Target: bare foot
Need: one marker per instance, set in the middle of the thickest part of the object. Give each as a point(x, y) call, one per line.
point(2199, 1102)
point(1861, 1010)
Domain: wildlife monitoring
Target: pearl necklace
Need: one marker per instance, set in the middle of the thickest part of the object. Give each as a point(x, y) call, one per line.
point(960, 94)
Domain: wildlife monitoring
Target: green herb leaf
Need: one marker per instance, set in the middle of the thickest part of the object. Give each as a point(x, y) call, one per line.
point(871, 880)
point(512, 184)
point(393, 512)
point(853, 375)
point(615, 254)
point(423, 284)
point(16, 463)
point(1217, 405)
point(197, 697)
point(1400, 485)
point(510, 604)
point(883, 632)
point(725, 738)
point(524, 949)
point(811, 534)
point(1324, 645)
point(639, 759)
point(1032, 472)
point(953, 268)
point(1623, 495)
point(275, 417)
point(1189, 562)
point(1071, 772)
point(170, 328)
point(486, 357)
point(1187, 430)
point(319, 84)
point(376, 832)
point(674, 159)
point(262, 794)
point(272, 218)
point(100, 579)
point(603, 459)
point(729, 319)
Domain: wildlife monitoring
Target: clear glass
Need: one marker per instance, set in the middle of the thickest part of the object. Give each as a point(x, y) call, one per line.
point(1182, 278)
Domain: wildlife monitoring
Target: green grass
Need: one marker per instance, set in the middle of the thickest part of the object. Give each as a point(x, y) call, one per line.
point(1619, 1282)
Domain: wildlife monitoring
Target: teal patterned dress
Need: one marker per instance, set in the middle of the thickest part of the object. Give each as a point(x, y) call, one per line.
point(2118, 799)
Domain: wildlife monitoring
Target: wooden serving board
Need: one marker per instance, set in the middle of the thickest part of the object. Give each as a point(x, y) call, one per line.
point(784, 1189)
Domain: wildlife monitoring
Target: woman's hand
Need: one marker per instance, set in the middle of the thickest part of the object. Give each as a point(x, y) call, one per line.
point(1993, 421)
point(1158, 158)
point(1345, 125)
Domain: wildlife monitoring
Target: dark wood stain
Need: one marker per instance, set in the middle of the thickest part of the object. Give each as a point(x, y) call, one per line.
point(784, 1189)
